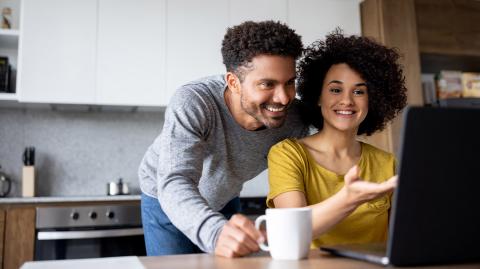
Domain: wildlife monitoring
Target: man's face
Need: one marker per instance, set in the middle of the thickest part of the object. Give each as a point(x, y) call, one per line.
point(267, 90)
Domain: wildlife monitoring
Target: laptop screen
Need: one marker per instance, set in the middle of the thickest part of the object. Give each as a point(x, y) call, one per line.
point(436, 207)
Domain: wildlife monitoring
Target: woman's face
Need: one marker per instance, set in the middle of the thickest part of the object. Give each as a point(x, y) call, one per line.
point(344, 98)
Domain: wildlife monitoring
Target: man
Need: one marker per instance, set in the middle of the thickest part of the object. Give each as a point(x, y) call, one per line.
point(216, 135)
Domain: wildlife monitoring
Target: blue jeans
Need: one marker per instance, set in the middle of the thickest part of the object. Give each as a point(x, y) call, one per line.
point(162, 237)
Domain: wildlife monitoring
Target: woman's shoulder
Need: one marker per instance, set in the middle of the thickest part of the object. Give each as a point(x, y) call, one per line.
point(376, 153)
point(288, 146)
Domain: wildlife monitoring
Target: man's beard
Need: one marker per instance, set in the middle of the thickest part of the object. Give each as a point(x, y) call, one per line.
point(256, 113)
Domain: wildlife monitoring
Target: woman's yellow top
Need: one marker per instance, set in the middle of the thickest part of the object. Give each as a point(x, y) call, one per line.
point(292, 168)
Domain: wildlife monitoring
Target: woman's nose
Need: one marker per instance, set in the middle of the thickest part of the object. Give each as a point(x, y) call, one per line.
point(347, 98)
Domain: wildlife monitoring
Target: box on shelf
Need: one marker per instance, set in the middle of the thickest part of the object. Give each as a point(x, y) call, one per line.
point(429, 89)
point(471, 84)
point(450, 84)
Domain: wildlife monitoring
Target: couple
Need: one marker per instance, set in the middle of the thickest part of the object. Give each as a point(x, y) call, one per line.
point(218, 131)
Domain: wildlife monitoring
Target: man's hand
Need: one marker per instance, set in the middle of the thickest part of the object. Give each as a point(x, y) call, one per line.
point(238, 238)
point(359, 191)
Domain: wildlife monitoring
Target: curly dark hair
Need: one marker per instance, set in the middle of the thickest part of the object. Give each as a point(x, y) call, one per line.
point(243, 42)
point(375, 63)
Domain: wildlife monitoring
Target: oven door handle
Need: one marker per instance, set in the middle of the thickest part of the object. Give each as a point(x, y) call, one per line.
point(60, 235)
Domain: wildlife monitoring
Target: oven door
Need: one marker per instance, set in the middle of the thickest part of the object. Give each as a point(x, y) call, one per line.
point(54, 244)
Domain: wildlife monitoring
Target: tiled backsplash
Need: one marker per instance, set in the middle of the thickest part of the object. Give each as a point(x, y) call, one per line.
point(77, 153)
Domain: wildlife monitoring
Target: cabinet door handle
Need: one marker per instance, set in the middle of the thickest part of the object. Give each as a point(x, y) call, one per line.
point(60, 235)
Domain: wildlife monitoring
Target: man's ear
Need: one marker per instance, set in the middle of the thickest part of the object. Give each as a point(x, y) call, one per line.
point(233, 82)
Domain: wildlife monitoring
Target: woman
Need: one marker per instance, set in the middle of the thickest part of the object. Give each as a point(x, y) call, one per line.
point(350, 86)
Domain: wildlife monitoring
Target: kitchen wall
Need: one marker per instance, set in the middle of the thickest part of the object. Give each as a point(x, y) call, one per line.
point(79, 151)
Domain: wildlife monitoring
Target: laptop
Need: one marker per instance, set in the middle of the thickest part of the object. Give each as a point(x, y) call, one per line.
point(435, 215)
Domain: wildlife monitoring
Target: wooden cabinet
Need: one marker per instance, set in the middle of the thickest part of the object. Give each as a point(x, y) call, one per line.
point(2, 235)
point(431, 35)
point(448, 27)
point(19, 236)
point(17, 228)
point(393, 23)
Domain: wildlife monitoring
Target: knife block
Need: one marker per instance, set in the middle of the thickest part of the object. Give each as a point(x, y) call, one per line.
point(28, 181)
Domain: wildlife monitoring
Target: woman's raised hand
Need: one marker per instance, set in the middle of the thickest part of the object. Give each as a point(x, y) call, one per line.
point(358, 191)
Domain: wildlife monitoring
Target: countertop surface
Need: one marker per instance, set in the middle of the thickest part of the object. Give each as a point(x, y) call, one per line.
point(316, 260)
point(56, 199)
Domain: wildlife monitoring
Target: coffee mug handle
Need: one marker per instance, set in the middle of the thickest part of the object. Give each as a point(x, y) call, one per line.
point(258, 222)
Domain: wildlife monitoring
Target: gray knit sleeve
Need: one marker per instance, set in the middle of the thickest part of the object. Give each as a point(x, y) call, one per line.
point(182, 146)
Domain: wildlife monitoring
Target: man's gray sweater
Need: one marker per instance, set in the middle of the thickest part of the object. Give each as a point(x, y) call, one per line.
point(202, 157)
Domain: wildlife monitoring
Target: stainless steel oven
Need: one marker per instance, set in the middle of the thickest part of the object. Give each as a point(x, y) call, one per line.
point(88, 232)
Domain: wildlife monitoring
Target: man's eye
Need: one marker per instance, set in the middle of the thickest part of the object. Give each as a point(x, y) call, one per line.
point(266, 84)
point(335, 90)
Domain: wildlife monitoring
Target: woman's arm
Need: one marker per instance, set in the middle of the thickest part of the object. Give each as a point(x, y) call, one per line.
point(331, 211)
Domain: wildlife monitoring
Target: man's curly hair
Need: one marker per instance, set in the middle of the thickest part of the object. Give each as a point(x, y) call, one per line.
point(243, 42)
point(375, 63)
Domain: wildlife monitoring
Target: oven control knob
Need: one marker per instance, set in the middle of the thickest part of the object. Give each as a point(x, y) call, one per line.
point(110, 214)
point(92, 215)
point(74, 215)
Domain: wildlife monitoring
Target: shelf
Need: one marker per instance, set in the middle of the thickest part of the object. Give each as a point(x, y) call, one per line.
point(9, 39)
point(434, 63)
point(8, 96)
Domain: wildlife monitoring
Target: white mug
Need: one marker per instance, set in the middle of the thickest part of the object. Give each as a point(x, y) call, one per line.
point(289, 232)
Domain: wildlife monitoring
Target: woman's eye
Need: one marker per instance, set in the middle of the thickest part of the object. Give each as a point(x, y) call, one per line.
point(358, 92)
point(335, 90)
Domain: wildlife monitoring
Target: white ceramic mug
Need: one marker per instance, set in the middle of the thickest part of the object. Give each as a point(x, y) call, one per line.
point(289, 232)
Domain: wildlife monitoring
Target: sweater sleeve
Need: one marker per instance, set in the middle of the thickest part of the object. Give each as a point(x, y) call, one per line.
point(182, 148)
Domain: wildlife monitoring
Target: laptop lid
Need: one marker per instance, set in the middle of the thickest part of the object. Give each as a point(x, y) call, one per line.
point(435, 216)
point(436, 206)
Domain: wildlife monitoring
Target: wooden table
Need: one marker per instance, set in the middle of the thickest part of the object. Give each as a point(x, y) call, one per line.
point(316, 260)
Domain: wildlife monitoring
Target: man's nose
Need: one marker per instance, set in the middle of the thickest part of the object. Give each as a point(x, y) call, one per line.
point(283, 95)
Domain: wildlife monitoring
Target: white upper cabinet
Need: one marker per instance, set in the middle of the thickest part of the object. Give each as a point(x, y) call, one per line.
point(138, 52)
point(257, 10)
point(57, 51)
point(195, 31)
point(313, 19)
point(131, 52)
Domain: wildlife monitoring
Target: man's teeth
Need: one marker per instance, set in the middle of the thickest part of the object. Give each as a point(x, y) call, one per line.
point(275, 109)
point(345, 112)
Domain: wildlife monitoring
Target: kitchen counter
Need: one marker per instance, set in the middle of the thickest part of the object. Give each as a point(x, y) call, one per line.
point(317, 260)
point(61, 199)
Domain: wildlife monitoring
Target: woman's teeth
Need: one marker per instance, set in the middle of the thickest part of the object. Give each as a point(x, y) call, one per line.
point(344, 112)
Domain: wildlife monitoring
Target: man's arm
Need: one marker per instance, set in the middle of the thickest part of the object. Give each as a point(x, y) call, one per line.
point(181, 154)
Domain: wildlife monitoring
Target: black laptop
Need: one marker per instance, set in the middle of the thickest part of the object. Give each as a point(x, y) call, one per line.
point(435, 216)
